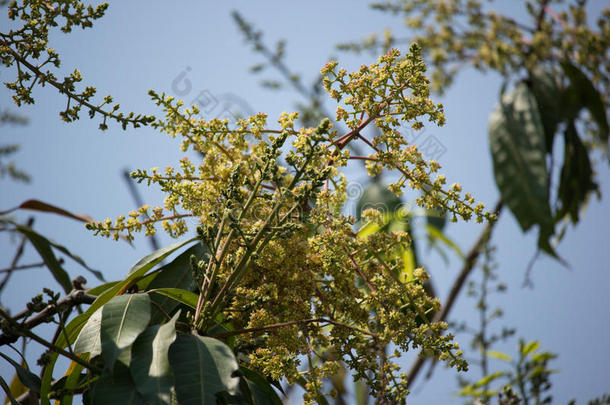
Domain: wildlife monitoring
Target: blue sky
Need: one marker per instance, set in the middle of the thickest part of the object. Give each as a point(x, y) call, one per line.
point(140, 46)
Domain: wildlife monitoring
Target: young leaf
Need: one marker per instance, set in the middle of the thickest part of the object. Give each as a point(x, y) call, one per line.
point(202, 367)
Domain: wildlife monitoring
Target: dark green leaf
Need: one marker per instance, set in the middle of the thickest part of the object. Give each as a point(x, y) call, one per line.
point(117, 388)
point(182, 296)
point(202, 367)
point(378, 197)
point(7, 389)
point(545, 90)
point(29, 379)
point(576, 181)
point(123, 319)
point(261, 391)
point(176, 274)
point(43, 246)
point(149, 367)
point(518, 152)
point(589, 98)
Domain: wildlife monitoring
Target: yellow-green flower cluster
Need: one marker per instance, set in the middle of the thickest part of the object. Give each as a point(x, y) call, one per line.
point(286, 269)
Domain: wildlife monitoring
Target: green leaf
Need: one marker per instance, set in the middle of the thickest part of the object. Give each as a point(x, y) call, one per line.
point(149, 367)
point(7, 389)
point(88, 340)
point(488, 379)
point(576, 180)
point(261, 391)
point(202, 367)
point(377, 196)
point(546, 91)
point(117, 388)
point(435, 234)
point(530, 348)
point(518, 151)
point(499, 355)
point(43, 247)
point(29, 379)
point(176, 274)
point(123, 319)
point(137, 271)
point(589, 98)
point(178, 295)
point(47, 378)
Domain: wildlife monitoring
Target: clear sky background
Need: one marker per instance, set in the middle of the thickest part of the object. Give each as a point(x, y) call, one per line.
point(145, 45)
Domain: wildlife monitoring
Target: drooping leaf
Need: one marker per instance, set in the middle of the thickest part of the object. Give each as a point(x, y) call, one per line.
point(37, 205)
point(518, 151)
point(576, 181)
point(43, 247)
point(123, 319)
point(149, 367)
point(29, 379)
point(142, 267)
point(546, 91)
point(202, 367)
point(589, 98)
point(89, 340)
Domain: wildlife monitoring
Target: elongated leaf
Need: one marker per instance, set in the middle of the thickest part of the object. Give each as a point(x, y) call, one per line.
point(7, 389)
point(47, 378)
point(43, 246)
point(149, 367)
point(73, 379)
point(589, 98)
point(436, 234)
point(261, 391)
point(518, 151)
point(545, 90)
point(29, 379)
point(123, 319)
point(37, 205)
point(576, 181)
point(202, 367)
point(499, 355)
point(16, 388)
point(89, 340)
point(530, 348)
point(176, 274)
point(178, 295)
point(117, 388)
point(74, 327)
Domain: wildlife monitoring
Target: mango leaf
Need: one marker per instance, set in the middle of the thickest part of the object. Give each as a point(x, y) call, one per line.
point(149, 367)
point(7, 389)
point(499, 355)
point(576, 181)
point(116, 388)
point(138, 270)
point(202, 367)
point(545, 90)
point(176, 274)
point(179, 295)
point(70, 381)
point(518, 151)
point(43, 247)
point(529, 348)
point(29, 379)
point(88, 340)
point(488, 379)
point(16, 388)
point(435, 234)
point(123, 319)
point(47, 378)
point(589, 98)
point(377, 196)
point(260, 390)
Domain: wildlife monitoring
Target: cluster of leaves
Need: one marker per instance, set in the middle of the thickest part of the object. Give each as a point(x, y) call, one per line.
point(26, 47)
